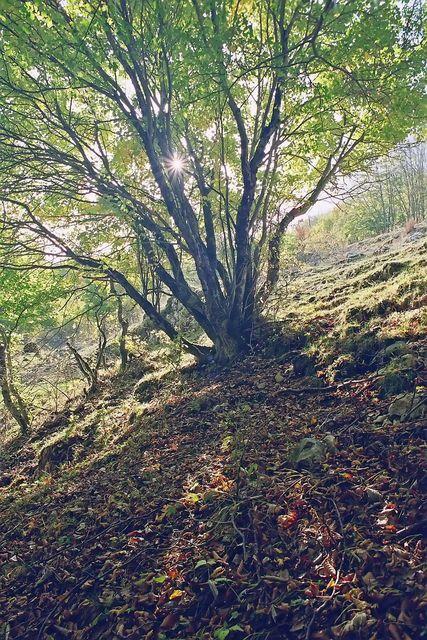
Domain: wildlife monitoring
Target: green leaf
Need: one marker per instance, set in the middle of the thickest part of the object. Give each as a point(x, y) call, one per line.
point(193, 497)
point(200, 563)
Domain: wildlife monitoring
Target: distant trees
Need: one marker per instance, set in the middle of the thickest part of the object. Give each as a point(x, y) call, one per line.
point(393, 193)
point(411, 174)
point(38, 303)
point(397, 193)
point(24, 301)
point(185, 136)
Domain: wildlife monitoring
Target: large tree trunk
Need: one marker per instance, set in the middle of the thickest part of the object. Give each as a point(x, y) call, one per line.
point(226, 347)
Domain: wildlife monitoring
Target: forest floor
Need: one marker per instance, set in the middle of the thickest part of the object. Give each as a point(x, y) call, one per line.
point(281, 498)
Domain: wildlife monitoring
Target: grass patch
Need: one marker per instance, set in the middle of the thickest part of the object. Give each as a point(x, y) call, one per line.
point(349, 312)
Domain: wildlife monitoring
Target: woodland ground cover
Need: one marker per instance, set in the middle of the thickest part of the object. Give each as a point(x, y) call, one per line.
point(250, 502)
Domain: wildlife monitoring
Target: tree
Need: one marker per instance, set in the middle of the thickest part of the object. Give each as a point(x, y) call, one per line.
point(199, 129)
point(90, 370)
point(23, 302)
point(412, 173)
point(12, 399)
point(124, 328)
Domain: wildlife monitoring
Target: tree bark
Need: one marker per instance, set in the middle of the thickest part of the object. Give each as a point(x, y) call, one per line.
point(11, 397)
point(124, 327)
point(226, 347)
point(84, 368)
point(90, 372)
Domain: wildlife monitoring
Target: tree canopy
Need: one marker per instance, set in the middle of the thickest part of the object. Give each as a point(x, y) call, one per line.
point(180, 139)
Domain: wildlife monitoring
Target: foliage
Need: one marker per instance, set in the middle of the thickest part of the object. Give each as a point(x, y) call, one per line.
point(152, 156)
point(180, 139)
point(42, 309)
point(25, 304)
point(28, 299)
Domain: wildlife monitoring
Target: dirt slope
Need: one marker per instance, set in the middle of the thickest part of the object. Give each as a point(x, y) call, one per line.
point(190, 505)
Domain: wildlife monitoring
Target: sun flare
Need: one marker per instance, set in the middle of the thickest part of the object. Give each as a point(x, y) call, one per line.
point(176, 164)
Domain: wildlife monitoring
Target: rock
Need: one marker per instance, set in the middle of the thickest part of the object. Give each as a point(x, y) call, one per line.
point(373, 495)
point(394, 382)
point(380, 419)
point(400, 373)
point(398, 348)
point(311, 450)
point(308, 450)
point(351, 256)
point(407, 361)
point(408, 405)
point(303, 365)
point(330, 442)
point(414, 236)
point(31, 347)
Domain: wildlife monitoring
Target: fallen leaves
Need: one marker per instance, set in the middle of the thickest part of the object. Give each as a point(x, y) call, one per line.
point(212, 532)
point(169, 621)
point(288, 521)
point(358, 622)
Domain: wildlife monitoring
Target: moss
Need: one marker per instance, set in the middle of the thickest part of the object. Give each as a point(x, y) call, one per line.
point(395, 382)
point(385, 272)
point(353, 311)
point(363, 347)
point(282, 340)
point(394, 349)
point(58, 452)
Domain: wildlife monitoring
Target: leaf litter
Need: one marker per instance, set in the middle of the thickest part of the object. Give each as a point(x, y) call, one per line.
point(201, 523)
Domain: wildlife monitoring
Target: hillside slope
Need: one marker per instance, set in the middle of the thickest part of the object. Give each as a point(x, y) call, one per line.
point(281, 498)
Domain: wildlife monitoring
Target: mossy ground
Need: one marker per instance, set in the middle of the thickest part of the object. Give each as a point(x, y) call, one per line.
point(349, 310)
point(178, 511)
